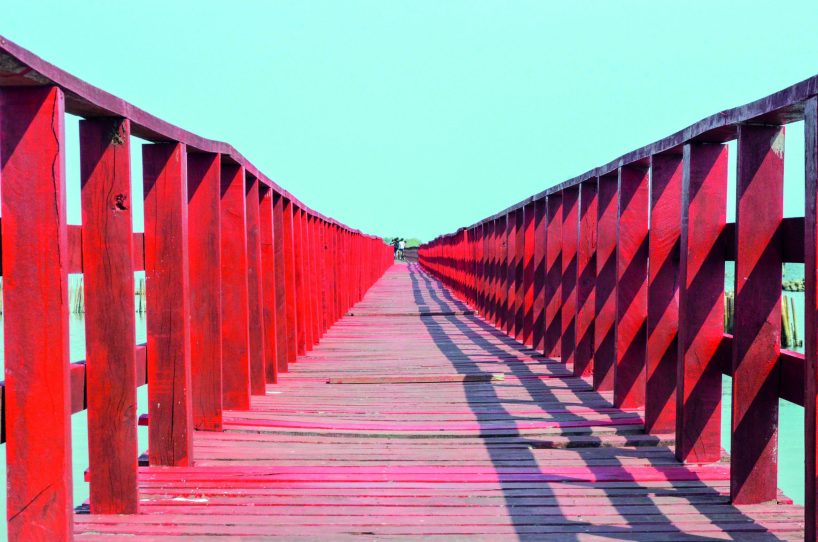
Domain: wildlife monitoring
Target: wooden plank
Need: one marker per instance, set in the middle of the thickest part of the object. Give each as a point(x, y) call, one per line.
point(631, 288)
point(35, 305)
point(553, 275)
point(663, 292)
point(289, 275)
point(110, 371)
point(279, 259)
point(586, 278)
point(268, 285)
point(811, 323)
point(605, 291)
point(540, 239)
point(255, 294)
point(167, 277)
point(701, 304)
point(501, 227)
point(235, 296)
point(425, 379)
point(509, 306)
point(204, 224)
point(757, 325)
point(568, 310)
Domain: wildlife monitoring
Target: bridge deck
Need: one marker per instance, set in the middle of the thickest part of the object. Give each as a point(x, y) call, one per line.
point(400, 425)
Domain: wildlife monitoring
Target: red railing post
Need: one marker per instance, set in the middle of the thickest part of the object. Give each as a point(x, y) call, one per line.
point(528, 274)
point(300, 281)
point(110, 338)
point(586, 279)
point(510, 275)
point(605, 290)
point(491, 278)
point(170, 431)
point(518, 273)
point(811, 322)
point(254, 291)
point(553, 278)
point(268, 285)
point(703, 206)
point(204, 224)
point(631, 290)
point(757, 325)
point(280, 283)
point(570, 231)
point(235, 301)
point(540, 244)
point(288, 231)
point(35, 304)
point(663, 292)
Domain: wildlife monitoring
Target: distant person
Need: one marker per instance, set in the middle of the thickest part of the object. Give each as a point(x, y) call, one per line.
point(395, 245)
point(401, 248)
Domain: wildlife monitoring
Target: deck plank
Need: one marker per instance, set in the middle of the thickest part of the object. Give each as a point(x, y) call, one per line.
point(421, 440)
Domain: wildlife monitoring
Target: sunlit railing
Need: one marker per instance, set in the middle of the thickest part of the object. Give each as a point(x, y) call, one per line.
point(620, 273)
point(241, 278)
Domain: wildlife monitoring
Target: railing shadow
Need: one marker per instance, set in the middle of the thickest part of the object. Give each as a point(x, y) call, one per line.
point(490, 410)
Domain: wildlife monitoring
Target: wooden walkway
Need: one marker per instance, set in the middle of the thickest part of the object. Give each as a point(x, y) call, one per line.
point(413, 417)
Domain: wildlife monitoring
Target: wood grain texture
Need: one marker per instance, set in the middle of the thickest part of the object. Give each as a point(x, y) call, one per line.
point(204, 224)
point(268, 286)
point(110, 336)
point(35, 314)
point(605, 290)
point(167, 277)
point(255, 294)
point(757, 324)
point(235, 296)
point(279, 258)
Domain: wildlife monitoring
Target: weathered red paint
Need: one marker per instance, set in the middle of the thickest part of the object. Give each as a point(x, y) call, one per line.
point(586, 279)
point(553, 275)
point(757, 325)
point(528, 274)
point(268, 286)
point(293, 330)
point(568, 283)
point(302, 303)
point(204, 230)
point(255, 300)
point(538, 307)
point(280, 283)
point(605, 288)
point(701, 303)
point(107, 259)
point(631, 288)
point(663, 293)
point(35, 311)
point(811, 323)
point(167, 273)
point(235, 304)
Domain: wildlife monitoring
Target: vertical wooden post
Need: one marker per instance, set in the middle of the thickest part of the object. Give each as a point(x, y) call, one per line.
point(570, 230)
point(540, 242)
point(518, 313)
point(170, 432)
point(35, 241)
point(280, 283)
point(509, 306)
point(110, 338)
point(586, 279)
point(502, 272)
point(701, 299)
point(528, 274)
point(605, 291)
point(663, 292)
point(268, 284)
point(315, 283)
point(254, 292)
point(235, 304)
point(553, 277)
point(204, 224)
point(288, 216)
point(811, 322)
point(491, 278)
point(757, 325)
point(632, 287)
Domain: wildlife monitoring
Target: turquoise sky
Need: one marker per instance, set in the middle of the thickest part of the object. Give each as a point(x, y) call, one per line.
point(416, 117)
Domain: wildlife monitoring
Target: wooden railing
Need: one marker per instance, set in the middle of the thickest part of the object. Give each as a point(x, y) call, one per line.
point(241, 278)
point(620, 273)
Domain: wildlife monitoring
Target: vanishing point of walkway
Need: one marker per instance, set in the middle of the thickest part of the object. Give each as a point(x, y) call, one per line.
point(414, 417)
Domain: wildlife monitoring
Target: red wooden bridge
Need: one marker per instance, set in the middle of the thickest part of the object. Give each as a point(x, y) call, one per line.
point(551, 372)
